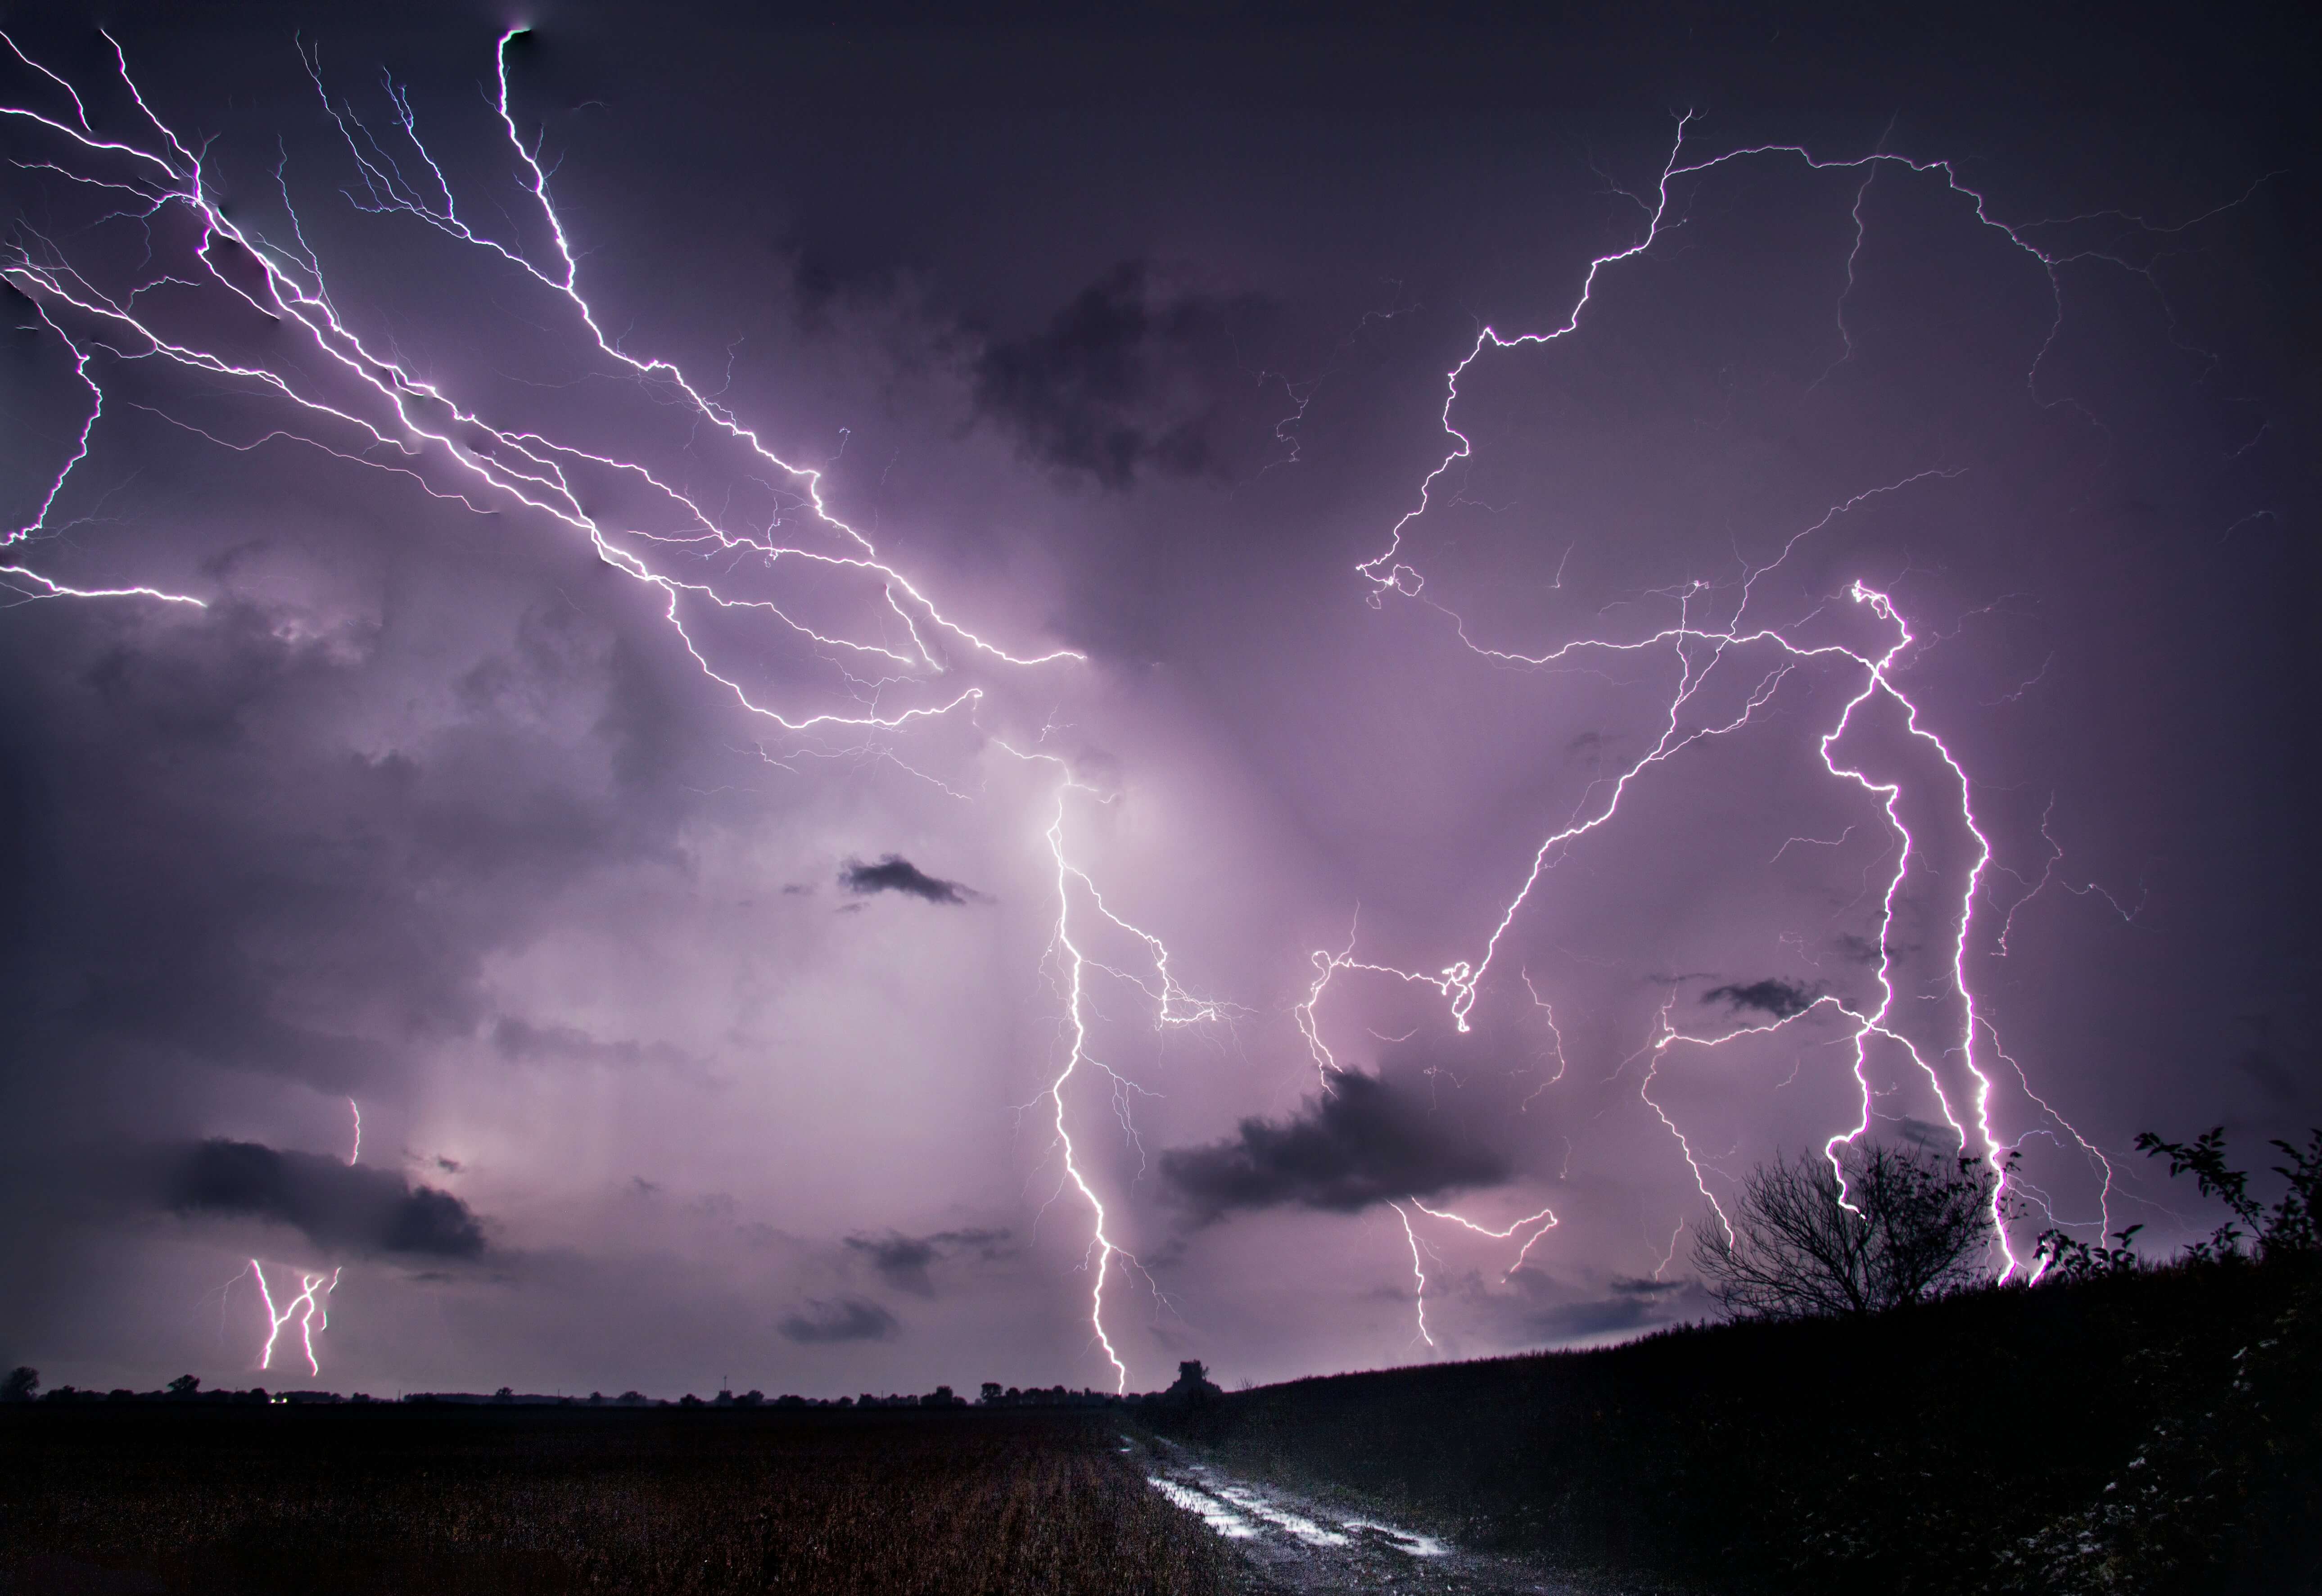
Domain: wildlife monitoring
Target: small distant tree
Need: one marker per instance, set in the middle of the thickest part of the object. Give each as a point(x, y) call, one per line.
point(1903, 1227)
point(23, 1382)
point(185, 1385)
point(990, 1393)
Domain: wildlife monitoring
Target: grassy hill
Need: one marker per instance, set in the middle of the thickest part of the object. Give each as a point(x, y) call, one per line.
point(2150, 1431)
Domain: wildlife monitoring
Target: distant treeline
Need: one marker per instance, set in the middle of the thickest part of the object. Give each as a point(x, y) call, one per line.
point(187, 1390)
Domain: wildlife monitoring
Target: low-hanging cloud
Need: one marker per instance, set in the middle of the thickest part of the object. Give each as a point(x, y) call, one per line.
point(903, 1262)
point(850, 1318)
point(1364, 1141)
point(894, 873)
point(340, 1207)
point(1773, 995)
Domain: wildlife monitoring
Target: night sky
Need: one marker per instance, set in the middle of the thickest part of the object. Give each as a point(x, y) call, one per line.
point(765, 966)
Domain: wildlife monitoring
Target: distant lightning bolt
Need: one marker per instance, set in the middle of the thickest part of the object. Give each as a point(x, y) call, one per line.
point(355, 1152)
point(1418, 1273)
point(310, 1309)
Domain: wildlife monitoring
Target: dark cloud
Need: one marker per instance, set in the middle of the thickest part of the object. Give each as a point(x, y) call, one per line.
point(1623, 1286)
point(1131, 377)
point(340, 1207)
point(1773, 995)
point(902, 1261)
point(850, 1318)
point(223, 880)
point(1567, 1321)
point(894, 873)
point(1365, 1142)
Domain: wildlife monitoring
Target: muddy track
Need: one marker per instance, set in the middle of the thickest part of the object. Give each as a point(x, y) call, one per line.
point(1293, 1545)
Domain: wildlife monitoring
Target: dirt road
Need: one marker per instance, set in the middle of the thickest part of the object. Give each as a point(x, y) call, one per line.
point(1293, 1545)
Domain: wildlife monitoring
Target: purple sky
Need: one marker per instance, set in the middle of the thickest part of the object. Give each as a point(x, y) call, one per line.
point(690, 1046)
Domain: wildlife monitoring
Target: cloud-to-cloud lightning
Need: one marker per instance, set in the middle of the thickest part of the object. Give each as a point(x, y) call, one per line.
point(1706, 639)
point(156, 276)
point(353, 400)
point(349, 396)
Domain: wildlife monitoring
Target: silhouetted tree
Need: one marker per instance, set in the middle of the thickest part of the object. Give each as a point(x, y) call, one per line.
point(22, 1382)
point(1902, 1227)
point(185, 1385)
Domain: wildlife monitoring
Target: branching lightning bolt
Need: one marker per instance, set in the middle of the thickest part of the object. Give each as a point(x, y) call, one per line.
point(310, 1308)
point(1700, 644)
point(392, 417)
point(1172, 1004)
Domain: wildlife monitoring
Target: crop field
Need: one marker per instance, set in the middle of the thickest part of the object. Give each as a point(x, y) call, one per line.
point(432, 1502)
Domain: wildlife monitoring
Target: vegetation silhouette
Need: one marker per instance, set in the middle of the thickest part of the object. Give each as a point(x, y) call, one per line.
point(1866, 1231)
point(2119, 1425)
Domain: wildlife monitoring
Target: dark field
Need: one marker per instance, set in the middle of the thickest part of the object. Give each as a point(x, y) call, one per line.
point(432, 1502)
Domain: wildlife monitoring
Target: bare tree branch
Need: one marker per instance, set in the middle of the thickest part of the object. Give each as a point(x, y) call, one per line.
point(1905, 1225)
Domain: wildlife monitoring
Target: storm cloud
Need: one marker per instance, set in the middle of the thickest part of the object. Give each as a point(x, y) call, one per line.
point(1131, 377)
point(903, 1262)
point(850, 1318)
point(1364, 1141)
point(1781, 999)
point(894, 873)
point(340, 1207)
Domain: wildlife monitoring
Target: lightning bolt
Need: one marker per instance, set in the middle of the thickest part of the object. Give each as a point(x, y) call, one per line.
point(387, 415)
point(310, 1307)
point(1172, 1004)
point(1418, 1274)
point(350, 397)
point(1700, 643)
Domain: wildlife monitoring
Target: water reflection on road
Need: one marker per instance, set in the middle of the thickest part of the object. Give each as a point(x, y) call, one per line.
point(1295, 1547)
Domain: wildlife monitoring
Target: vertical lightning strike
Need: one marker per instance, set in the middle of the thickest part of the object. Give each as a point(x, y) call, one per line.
point(355, 1152)
point(1419, 1292)
point(306, 1305)
point(1173, 1006)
